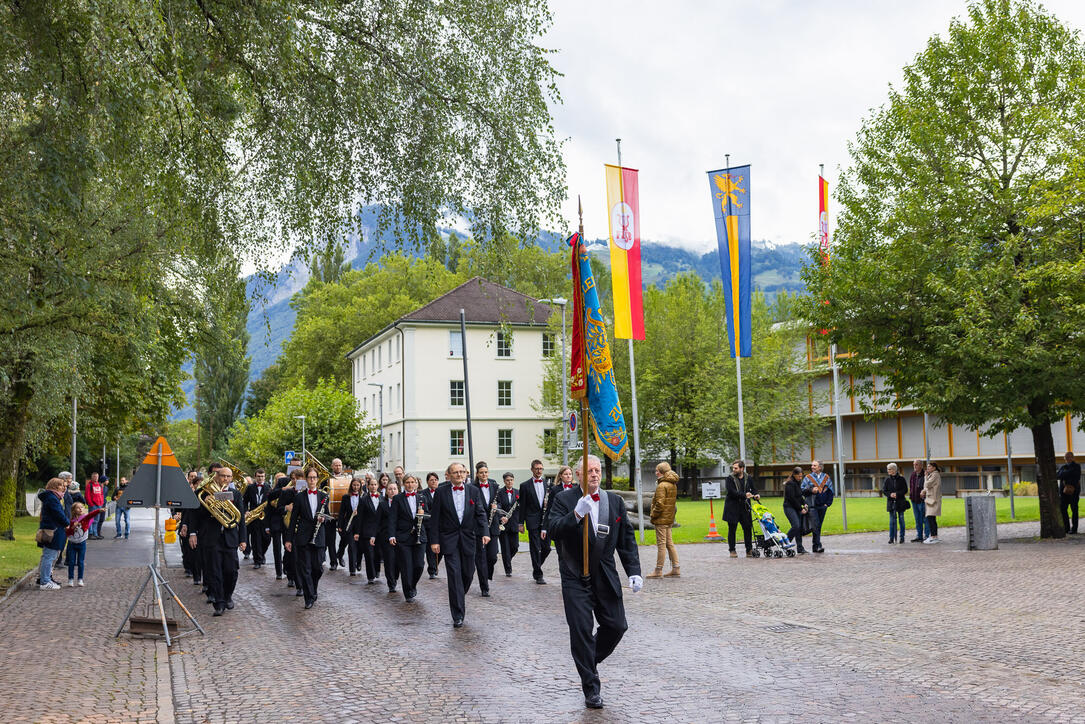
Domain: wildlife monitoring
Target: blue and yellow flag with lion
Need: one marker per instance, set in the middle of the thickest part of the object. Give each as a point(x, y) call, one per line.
point(591, 368)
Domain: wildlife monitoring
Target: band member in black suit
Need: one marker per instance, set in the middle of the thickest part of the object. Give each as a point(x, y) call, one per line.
point(407, 535)
point(366, 530)
point(273, 520)
point(384, 527)
point(349, 505)
point(562, 481)
point(335, 551)
point(191, 556)
point(507, 499)
point(486, 555)
point(259, 535)
point(532, 498)
point(219, 544)
point(307, 519)
point(598, 595)
point(458, 520)
point(432, 559)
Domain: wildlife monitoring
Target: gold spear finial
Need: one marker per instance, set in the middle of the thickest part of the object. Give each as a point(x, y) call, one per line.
point(580, 211)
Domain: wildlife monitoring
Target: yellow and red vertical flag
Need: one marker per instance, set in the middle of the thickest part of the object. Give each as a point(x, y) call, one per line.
point(823, 219)
point(623, 203)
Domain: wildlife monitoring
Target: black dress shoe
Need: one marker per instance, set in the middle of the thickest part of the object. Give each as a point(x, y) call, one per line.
point(197, 582)
point(334, 567)
point(308, 605)
point(540, 581)
point(188, 574)
point(391, 589)
point(485, 594)
point(211, 601)
point(409, 598)
point(289, 584)
point(218, 611)
point(278, 578)
point(353, 573)
point(458, 623)
point(299, 593)
point(230, 604)
point(432, 576)
point(508, 574)
point(594, 702)
point(371, 581)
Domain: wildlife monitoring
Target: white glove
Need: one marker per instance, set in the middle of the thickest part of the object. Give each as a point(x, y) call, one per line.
point(583, 506)
point(636, 583)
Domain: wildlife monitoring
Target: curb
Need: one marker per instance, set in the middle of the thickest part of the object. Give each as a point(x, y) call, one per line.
point(164, 686)
point(18, 585)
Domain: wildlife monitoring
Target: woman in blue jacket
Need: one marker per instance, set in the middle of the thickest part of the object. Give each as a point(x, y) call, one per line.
point(54, 520)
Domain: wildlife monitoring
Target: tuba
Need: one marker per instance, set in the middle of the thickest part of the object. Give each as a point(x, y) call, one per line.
point(224, 511)
point(321, 469)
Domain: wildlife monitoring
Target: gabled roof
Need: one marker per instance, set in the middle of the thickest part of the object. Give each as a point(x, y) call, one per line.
point(482, 302)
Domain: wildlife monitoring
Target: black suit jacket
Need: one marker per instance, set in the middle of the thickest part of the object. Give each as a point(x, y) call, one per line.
point(251, 497)
point(568, 531)
point(343, 522)
point(302, 521)
point(493, 490)
point(443, 524)
point(402, 523)
point(367, 523)
point(735, 507)
point(210, 533)
point(505, 500)
point(531, 511)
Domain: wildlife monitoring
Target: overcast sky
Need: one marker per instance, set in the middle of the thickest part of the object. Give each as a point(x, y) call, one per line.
point(780, 85)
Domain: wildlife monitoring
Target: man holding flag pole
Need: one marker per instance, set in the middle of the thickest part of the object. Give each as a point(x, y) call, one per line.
point(592, 524)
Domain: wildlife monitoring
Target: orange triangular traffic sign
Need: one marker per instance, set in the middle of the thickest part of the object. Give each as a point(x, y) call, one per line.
point(167, 454)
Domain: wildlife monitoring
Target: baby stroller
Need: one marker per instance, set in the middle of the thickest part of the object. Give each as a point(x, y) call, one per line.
point(770, 540)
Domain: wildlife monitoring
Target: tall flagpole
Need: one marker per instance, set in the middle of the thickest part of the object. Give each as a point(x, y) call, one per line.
point(632, 384)
point(836, 399)
point(738, 347)
point(583, 416)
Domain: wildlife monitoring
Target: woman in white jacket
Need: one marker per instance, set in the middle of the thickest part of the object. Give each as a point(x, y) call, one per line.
point(932, 499)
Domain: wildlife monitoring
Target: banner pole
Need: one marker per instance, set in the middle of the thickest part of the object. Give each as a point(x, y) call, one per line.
point(635, 471)
point(738, 353)
point(583, 419)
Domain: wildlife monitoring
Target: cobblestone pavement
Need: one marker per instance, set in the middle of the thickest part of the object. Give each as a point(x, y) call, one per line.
point(865, 632)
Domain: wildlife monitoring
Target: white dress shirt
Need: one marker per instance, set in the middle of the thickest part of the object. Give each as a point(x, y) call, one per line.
point(539, 490)
point(412, 503)
point(354, 503)
point(458, 497)
point(313, 500)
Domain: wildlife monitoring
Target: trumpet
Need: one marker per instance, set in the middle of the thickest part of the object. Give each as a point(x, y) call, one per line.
point(224, 511)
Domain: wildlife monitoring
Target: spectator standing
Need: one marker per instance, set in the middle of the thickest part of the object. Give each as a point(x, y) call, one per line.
point(736, 506)
point(817, 488)
point(71, 492)
point(932, 499)
point(895, 490)
point(664, 508)
point(77, 542)
point(795, 507)
point(122, 510)
point(1069, 492)
point(52, 527)
point(95, 495)
point(915, 492)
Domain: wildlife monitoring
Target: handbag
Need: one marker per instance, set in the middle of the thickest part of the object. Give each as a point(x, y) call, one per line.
point(43, 536)
point(804, 524)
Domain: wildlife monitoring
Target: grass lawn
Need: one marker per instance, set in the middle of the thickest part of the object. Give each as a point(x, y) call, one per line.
point(864, 514)
point(20, 555)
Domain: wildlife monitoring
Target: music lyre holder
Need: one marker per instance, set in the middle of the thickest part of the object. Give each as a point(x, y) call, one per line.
point(136, 494)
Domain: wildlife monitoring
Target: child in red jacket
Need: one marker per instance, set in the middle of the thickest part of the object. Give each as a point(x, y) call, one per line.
point(77, 541)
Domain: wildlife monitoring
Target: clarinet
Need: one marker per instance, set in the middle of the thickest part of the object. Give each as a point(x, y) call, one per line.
point(509, 514)
point(418, 516)
point(318, 521)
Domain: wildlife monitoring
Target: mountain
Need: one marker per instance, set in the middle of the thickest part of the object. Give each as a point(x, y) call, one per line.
point(776, 268)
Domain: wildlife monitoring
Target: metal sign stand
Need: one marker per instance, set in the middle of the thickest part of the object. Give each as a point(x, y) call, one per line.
point(153, 576)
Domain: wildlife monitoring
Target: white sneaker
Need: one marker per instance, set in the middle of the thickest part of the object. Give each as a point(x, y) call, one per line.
point(933, 539)
point(50, 586)
point(71, 583)
point(927, 539)
point(80, 584)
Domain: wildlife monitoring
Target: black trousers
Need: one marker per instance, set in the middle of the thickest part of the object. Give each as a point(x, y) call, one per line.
point(584, 605)
point(309, 569)
point(510, 543)
point(192, 558)
point(932, 525)
point(817, 517)
point(290, 570)
point(1068, 507)
point(794, 517)
point(350, 546)
point(391, 570)
point(460, 570)
point(432, 559)
point(747, 531)
point(371, 555)
point(277, 550)
point(539, 549)
point(219, 572)
point(330, 544)
point(258, 542)
point(485, 560)
point(410, 560)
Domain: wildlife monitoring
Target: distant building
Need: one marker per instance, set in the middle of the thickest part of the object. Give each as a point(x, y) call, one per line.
point(415, 367)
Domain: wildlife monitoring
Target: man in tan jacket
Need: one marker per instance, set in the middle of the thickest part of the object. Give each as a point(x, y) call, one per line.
point(664, 506)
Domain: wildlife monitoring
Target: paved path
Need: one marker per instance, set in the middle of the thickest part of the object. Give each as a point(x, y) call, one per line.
point(865, 632)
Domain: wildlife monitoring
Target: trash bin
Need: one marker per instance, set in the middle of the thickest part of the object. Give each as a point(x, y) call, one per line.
point(981, 522)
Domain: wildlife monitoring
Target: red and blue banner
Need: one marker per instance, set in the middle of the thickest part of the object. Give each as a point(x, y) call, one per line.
point(730, 188)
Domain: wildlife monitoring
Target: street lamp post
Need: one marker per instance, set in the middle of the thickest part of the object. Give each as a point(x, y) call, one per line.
point(561, 301)
point(302, 418)
point(380, 404)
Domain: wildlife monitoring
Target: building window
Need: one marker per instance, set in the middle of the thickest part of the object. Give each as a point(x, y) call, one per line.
point(548, 345)
point(504, 393)
point(504, 344)
point(378, 357)
point(550, 441)
point(455, 442)
point(390, 353)
point(504, 442)
point(363, 367)
point(550, 394)
point(455, 393)
point(455, 344)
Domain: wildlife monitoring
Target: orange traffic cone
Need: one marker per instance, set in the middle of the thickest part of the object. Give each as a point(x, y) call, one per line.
point(713, 534)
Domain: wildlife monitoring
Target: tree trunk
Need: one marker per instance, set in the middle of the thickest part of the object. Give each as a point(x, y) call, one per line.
point(15, 417)
point(1047, 485)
